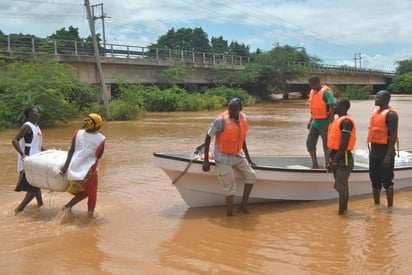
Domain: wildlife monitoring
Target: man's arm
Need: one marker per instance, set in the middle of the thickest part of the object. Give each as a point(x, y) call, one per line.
point(393, 137)
point(346, 133)
point(206, 164)
point(16, 140)
point(246, 151)
point(69, 157)
point(330, 102)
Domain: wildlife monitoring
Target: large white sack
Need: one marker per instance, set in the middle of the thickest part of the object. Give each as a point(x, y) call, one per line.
point(41, 170)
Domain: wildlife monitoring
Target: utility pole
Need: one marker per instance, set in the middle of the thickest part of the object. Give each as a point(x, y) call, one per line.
point(357, 57)
point(102, 17)
point(98, 62)
point(360, 61)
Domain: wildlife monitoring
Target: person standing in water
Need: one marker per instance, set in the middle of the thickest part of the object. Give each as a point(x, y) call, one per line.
point(341, 141)
point(382, 136)
point(27, 142)
point(86, 149)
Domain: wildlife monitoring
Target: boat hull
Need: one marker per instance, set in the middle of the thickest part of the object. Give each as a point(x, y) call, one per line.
point(291, 180)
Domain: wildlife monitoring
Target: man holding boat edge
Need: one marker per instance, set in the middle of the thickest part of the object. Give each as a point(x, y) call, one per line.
point(230, 130)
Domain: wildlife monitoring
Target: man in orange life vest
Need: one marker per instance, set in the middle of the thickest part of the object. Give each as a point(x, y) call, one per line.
point(230, 130)
point(341, 141)
point(321, 102)
point(382, 134)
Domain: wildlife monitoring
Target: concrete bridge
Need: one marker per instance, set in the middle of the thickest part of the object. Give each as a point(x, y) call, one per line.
point(144, 65)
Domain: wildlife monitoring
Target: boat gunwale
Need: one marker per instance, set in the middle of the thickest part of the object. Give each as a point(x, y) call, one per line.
point(167, 155)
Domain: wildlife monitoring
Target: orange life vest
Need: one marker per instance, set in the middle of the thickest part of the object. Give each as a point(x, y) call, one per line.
point(378, 130)
point(232, 138)
point(335, 134)
point(318, 106)
point(335, 95)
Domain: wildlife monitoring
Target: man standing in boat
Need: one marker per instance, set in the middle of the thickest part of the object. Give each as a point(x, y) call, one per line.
point(230, 130)
point(321, 101)
point(341, 141)
point(382, 135)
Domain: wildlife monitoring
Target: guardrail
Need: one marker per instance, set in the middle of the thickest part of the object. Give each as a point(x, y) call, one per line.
point(325, 68)
point(33, 45)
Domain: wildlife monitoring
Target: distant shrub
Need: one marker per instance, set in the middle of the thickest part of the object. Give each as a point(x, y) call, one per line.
point(153, 99)
point(402, 84)
point(229, 93)
point(122, 110)
point(355, 92)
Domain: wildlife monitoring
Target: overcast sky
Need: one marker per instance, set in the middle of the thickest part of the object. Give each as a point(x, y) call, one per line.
point(333, 30)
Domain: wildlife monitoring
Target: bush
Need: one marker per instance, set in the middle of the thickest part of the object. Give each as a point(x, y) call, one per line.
point(122, 110)
point(355, 92)
point(152, 99)
point(402, 84)
point(229, 93)
point(47, 85)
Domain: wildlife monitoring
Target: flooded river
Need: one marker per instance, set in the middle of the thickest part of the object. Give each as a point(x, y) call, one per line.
point(142, 225)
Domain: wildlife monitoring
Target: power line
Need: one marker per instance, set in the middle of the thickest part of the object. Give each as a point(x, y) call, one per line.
point(43, 2)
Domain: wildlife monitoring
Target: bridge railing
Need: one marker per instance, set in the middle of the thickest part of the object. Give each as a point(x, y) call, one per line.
point(32, 45)
point(325, 68)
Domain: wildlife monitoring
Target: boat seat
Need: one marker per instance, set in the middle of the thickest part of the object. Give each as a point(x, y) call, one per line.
point(296, 166)
point(361, 164)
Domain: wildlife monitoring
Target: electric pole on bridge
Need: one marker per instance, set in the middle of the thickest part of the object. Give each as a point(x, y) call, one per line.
point(102, 17)
point(98, 63)
point(358, 57)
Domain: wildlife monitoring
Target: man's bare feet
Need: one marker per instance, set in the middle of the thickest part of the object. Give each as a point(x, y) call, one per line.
point(243, 210)
point(67, 209)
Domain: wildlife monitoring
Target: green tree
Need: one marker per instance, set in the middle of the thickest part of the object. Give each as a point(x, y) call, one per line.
point(184, 39)
point(48, 85)
point(219, 45)
point(129, 105)
point(70, 34)
point(402, 83)
point(404, 66)
point(200, 40)
point(196, 40)
point(270, 71)
point(175, 74)
point(241, 49)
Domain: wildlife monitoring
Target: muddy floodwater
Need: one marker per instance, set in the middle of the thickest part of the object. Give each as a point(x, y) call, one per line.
point(142, 225)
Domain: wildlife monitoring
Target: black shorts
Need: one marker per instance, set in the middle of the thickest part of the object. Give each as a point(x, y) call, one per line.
point(23, 185)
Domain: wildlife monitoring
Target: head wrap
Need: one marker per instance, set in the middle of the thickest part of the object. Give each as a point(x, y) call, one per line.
point(92, 121)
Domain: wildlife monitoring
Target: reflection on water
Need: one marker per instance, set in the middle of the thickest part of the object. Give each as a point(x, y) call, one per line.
point(298, 238)
point(143, 226)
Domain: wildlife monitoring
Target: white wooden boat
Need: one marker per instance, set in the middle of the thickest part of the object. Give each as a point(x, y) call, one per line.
point(278, 178)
